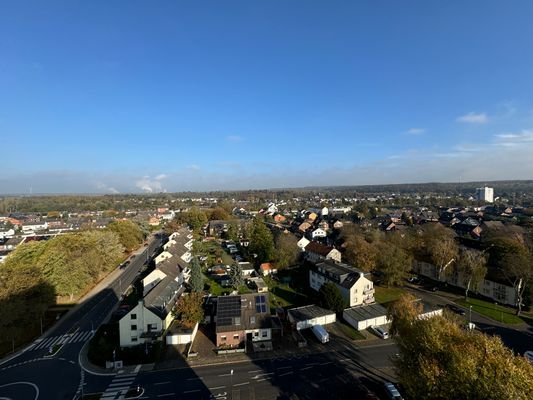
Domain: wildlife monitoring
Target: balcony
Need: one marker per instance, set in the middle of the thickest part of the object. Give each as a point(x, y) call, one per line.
point(370, 291)
point(369, 300)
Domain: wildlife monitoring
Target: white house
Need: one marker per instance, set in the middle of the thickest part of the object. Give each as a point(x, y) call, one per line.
point(355, 288)
point(34, 226)
point(318, 233)
point(303, 242)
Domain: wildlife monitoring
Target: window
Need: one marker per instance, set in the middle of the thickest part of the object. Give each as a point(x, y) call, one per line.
point(223, 338)
point(264, 334)
point(133, 316)
point(235, 336)
point(134, 327)
point(252, 320)
point(134, 338)
point(151, 327)
point(256, 334)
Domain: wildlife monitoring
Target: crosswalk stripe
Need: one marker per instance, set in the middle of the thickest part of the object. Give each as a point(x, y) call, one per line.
point(46, 342)
point(87, 336)
point(74, 338)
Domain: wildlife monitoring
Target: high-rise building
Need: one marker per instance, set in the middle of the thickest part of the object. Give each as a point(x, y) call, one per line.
point(485, 194)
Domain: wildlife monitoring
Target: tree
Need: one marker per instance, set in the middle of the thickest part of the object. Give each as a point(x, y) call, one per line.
point(439, 360)
point(235, 274)
point(441, 247)
point(218, 214)
point(195, 218)
point(189, 309)
point(197, 280)
point(233, 231)
point(515, 261)
point(287, 251)
point(394, 264)
point(129, 233)
point(360, 253)
point(472, 265)
point(261, 242)
point(331, 298)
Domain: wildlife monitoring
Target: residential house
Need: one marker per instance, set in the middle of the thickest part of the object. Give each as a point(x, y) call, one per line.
point(217, 227)
point(316, 252)
point(338, 225)
point(303, 242)
point(267, 269)
point(354, 286)
point(243, 318)
point(279, 218)
point(28, 227)
point(304, 226)
point(247, 268)
point(318, 233)
point(149, 319)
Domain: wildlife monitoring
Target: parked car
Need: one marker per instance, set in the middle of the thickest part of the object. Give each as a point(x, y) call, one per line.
point(381, 332)
point(455, 309)
point(392, 392)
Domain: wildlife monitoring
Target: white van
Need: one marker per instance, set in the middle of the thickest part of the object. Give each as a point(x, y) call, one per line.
point(382, 333)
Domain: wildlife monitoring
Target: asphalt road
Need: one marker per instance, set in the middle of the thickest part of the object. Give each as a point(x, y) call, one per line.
point(333, 373)
point(33, 374)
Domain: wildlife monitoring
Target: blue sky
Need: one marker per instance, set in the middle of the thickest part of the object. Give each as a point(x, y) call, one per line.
point(132, 96)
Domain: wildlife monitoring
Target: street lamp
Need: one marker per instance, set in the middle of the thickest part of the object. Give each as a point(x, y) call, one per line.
point(470, 318)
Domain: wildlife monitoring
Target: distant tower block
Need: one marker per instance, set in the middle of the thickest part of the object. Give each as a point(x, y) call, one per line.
point(485, 194)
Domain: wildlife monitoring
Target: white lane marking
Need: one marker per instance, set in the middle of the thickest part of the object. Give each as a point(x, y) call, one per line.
point(33, 385)
point(287, 373)
point(242, 384)
point(216, 387)
point(162, 383)
point(167, 394)
point(306, 368)
point(255, 371)
point(192, 391)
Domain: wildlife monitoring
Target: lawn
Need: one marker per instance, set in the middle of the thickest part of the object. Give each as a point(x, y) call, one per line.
point(214, 287)
point(498, 313)
point(385, 295)
point(350, 331)
point(282, 295)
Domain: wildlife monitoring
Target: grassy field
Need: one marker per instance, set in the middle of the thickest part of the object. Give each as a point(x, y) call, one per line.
point(498, 313)
point(386, 295)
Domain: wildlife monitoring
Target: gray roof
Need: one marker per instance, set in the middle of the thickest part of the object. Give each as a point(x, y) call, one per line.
point(161, 298)
point(308, 312)
point(362, 313)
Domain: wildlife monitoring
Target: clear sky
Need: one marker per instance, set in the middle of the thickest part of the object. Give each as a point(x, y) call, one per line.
point(131, 96)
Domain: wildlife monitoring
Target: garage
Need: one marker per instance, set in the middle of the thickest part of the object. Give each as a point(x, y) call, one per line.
point(361, 317)
point(308, 316)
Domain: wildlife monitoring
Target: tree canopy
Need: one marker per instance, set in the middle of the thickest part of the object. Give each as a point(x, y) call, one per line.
point(130, 234)
point(331, 297)
point(261, 242)
point(440, 360)
point(189, 309)
point(287, 250)
point(197, 279)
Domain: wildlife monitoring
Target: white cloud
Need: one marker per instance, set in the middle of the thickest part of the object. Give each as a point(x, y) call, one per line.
point(160, 177)
point(193, 167)
point(146, 184)
point(473, 118)
point(416, 131)
point(524, 136)
point(234, 138)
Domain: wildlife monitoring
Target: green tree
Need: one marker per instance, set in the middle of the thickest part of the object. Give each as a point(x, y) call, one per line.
point(235, 274)
point(197, 280)
point(394, 263)
point(195, 218)
point(261, 242)
point(331, 297)
point(129, 233)
point(473, 267)
point(287, 250)
point(442, 248)
point(439, 360)
point(188, 309)
point(233, 232)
